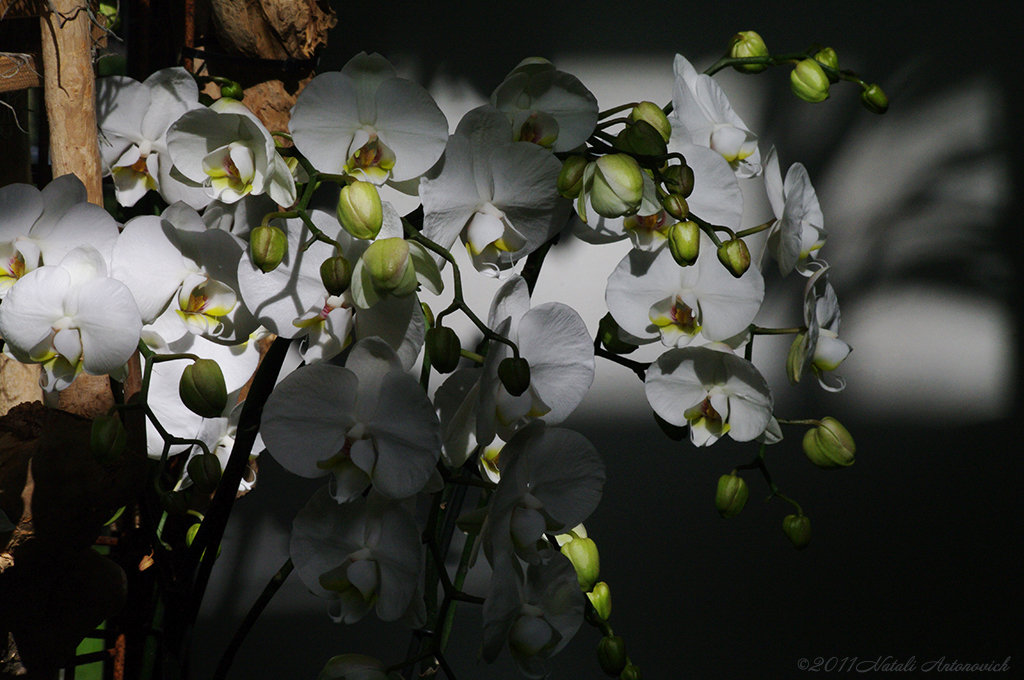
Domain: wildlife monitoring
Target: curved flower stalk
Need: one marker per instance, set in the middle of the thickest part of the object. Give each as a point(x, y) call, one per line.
point(499, 196)
point(361, 555)
point(702, 108)
point(40, 227)
point(819, 349)
point(71, 317)
point(366, 122)
point(546, 106)
point(651, 297)
point(367, 423)
point(797, 233)
point(227, 151)
point(133, 118)
point(713, 391)
point(174, 264)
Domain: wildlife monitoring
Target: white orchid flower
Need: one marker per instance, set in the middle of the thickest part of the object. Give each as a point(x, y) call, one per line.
point(499, 196)
point(797, 233)
point(227, 151)
point(133, 118)
point(713, 391)
point(651, 297)
point(700, 105)
point(819, 349)
point(71, 317)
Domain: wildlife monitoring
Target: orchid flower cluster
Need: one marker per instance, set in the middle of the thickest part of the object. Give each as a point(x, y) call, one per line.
point(299, 236)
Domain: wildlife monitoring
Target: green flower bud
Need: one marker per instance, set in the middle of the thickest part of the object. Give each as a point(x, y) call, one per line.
point(174, 502)
point(684, 242)
point(336, 274)
point(747, 44)
point(443, 348)
point(874, 100)
point(630, 672)
point(678, 179)
point(798, 529)
point(651, 113)
point(267, 247)
point(618, 186)
point(611, 654)
point(514, 375)
point(731, 495)
point(232, 90)
point(582, 552)
point(676, 206)
point(601, 599)
point(205, 472)
point(796, 359)
point(735, 256)
point(641, 138)
point(389, 266)
point(108, 10)
point(359, 210)
point(202, 388)
point(828, 57)
point(830, 445)
point(608, 332)
point(428, 314)
point(108, 439)
point(570, 179)
point(809, 82)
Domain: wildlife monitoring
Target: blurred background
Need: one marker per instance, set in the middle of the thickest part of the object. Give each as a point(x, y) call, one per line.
point(913, 552)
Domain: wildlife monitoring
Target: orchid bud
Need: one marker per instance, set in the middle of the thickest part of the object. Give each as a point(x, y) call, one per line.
point(828, 57)
point(735, 256)
point(676, 206)
point(514, 375)
point(232, 90)
point(630, 672)
point(731, 495)
point(174, 502)
point(205, 472)
point(684, 242)
point(389, 266)
point(651, 113)
point(608, 332)
point(611, 654)
point(830, 445)
point(570, 179)
point(360, 211)
point(353, 667)
point(618, 186)
point(809, 82)
point(336, 274)
point(874, 100)
point(678, 179)
point(108, 439)
point(443, 348)
point(641, 138)
point(202, 389)
point(601, 599)
point(747, 44)
point(267, 247)
point(582, 552)
point(798, 529)
point(428, 314)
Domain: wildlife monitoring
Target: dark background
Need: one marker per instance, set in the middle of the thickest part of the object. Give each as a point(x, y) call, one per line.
point(915, 548)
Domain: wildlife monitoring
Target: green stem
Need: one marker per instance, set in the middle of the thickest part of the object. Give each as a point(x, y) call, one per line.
point(757, 330)
point(617, 109)
point(755, 230)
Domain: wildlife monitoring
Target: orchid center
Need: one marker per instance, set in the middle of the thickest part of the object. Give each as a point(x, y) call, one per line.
point(536, 127)
point(733, 143)
point(372, 160)
point(231, 168)
point(649, 224)
point(676, 321)
point(205, 303)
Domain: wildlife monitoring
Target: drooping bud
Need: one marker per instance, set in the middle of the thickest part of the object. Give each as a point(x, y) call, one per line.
point(570, 179)
point(205, 472)
point(618, 185)
point(389, 266)
point(828, 57)
point(735, 256)
point(874, 100)
point(731, 495)
point(444, 348)
point(608, 332)
point(514, 375)
point(747, 44)
point(798, 530)
point(830, 445)
point(360, 211)
point(651, 113)
point(809, 82)
point(684, 242)
point(611, 654)
point(678, 179)
point(582, 552)
point(202, 389)
point(336, 274)
point(108, 439)
point(601, 599)
point(630, 672)
point(676, 206)
point(641, 138)
point(232, 90)
point(267, 247)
